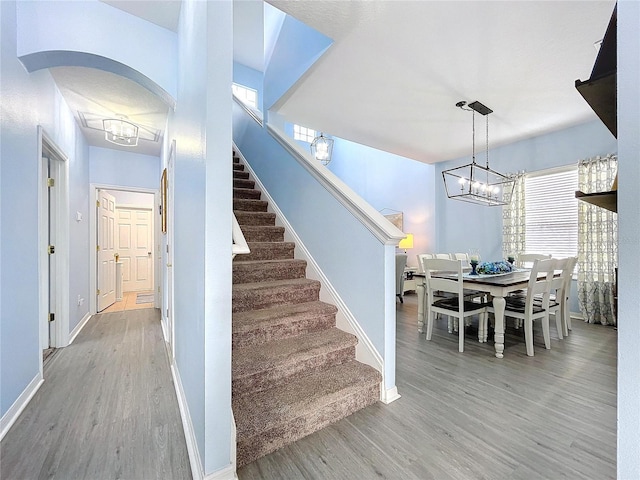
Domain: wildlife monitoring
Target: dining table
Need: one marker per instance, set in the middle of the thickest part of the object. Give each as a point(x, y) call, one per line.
point(498, 286)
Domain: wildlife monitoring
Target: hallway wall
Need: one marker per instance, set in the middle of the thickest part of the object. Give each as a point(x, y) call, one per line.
point(29, 100)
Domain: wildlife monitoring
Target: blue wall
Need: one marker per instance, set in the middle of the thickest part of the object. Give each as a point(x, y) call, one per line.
point(388, 181)
point(297, 48)
point(114, 167)
point(29, 100)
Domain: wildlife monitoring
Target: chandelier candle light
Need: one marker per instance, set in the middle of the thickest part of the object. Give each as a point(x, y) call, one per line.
point(475, 183)
point(120, 131)
point(322, 148)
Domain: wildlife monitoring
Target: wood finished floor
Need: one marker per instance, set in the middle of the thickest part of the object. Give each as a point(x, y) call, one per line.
point(107, 409)
point(472, 416)
point(461, 416)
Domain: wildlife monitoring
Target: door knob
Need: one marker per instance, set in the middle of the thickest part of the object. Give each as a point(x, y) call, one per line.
point(149, 253)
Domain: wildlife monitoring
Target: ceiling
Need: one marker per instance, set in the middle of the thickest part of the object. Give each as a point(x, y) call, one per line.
point(395, 71)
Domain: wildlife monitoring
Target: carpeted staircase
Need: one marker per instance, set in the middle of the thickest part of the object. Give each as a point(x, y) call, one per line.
point(294, 372)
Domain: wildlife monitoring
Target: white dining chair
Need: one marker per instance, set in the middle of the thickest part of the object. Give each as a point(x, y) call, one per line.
point(420, 257)
point(525, 260)
point(528, 308)
point(461, 256)
point(559, 295)
point(443, 256)
point(454, 304)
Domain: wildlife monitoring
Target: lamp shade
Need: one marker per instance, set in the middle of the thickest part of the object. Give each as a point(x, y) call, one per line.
point(406, 242)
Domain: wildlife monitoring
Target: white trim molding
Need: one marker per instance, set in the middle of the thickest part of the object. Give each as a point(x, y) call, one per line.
point(189, 432)
point(79, 327)
point(373, 220)
point(388, 396)
point(226, 473)
point(11, 415)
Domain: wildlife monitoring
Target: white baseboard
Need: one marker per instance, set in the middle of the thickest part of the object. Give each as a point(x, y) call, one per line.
point(576, 315)
point(189, 433)
point(388, 396)
point(227, 473)
point(74, 333)
point(9, 418)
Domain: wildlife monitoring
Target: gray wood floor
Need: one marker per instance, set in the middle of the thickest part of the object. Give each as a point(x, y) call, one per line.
point(107, 409)
point(472, 416)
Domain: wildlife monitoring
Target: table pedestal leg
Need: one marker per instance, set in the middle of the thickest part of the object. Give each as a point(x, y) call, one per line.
point(498, 308)
point(420, 292)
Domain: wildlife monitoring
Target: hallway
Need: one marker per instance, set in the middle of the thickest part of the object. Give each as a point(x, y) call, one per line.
point(107, 409)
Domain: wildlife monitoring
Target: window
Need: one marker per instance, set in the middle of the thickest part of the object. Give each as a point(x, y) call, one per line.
point(246, 95)
point(303, 133)
point(552, 213)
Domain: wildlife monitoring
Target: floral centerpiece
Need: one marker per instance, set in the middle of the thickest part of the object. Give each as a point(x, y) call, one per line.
point(494, 268)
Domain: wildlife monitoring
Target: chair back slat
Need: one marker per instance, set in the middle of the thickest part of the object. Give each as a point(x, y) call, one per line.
point(540, 280)
point(449, 285)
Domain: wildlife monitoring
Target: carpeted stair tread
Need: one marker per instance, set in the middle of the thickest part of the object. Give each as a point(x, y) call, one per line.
point(277, 417)
point(250, 296)
point(267, 270)
point(240, 175)
point(268, 251)
point(238, 167)
point(243, 183)
point(262, 233)
point(250, 205)
point(260, 367)
point(255, 327)
point(254, 218)
point(247, 193)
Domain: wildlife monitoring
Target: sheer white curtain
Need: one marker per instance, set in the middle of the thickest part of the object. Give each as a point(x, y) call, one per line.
point(514, 220)
point(597, 242)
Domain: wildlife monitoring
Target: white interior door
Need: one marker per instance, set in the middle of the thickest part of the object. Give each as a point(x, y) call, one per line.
point(106, 250)
point(135, 247)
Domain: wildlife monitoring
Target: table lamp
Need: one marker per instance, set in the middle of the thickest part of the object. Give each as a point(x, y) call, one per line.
point(406, 242)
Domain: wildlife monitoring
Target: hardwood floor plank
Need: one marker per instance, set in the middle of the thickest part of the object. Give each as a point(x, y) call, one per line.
point(107, 409)
point(469, 415)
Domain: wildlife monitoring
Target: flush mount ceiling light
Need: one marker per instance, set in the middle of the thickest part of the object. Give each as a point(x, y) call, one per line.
point(120, 131)
point(474, 183)
point(322, 148)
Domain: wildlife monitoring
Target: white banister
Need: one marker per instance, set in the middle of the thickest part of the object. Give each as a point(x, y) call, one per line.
point(373, 220)
point(240, 246)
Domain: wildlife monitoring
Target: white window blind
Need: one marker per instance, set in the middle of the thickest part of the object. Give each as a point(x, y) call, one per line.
point(552, 213)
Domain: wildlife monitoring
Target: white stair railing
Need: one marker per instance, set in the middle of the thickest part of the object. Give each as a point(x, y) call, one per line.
point(239, 246)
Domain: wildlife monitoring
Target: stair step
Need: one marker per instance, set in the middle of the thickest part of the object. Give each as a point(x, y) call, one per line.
point(255, 327)
point(268, 251)
point(267, 270)
point(254, 296)
point(243, 183)
point(268, 365)
point(240, 175)
point(277, 417)
point(236, 159)
point(255, 218)
point(263, 233)
point(247, 193)
point(248, 204)
point(238, 167)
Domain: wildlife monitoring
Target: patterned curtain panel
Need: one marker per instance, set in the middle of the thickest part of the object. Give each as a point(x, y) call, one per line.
point(597, 242)
point(514, 220)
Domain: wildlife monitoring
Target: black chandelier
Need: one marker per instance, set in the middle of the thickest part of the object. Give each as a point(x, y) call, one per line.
point(475, 183)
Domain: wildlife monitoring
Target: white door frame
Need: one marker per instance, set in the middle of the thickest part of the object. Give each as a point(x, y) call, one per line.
point(93, 219)
point(58, 333)
point(168, 303)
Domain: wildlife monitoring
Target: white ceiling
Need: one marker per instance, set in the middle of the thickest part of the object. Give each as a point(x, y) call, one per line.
point(396, 70)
